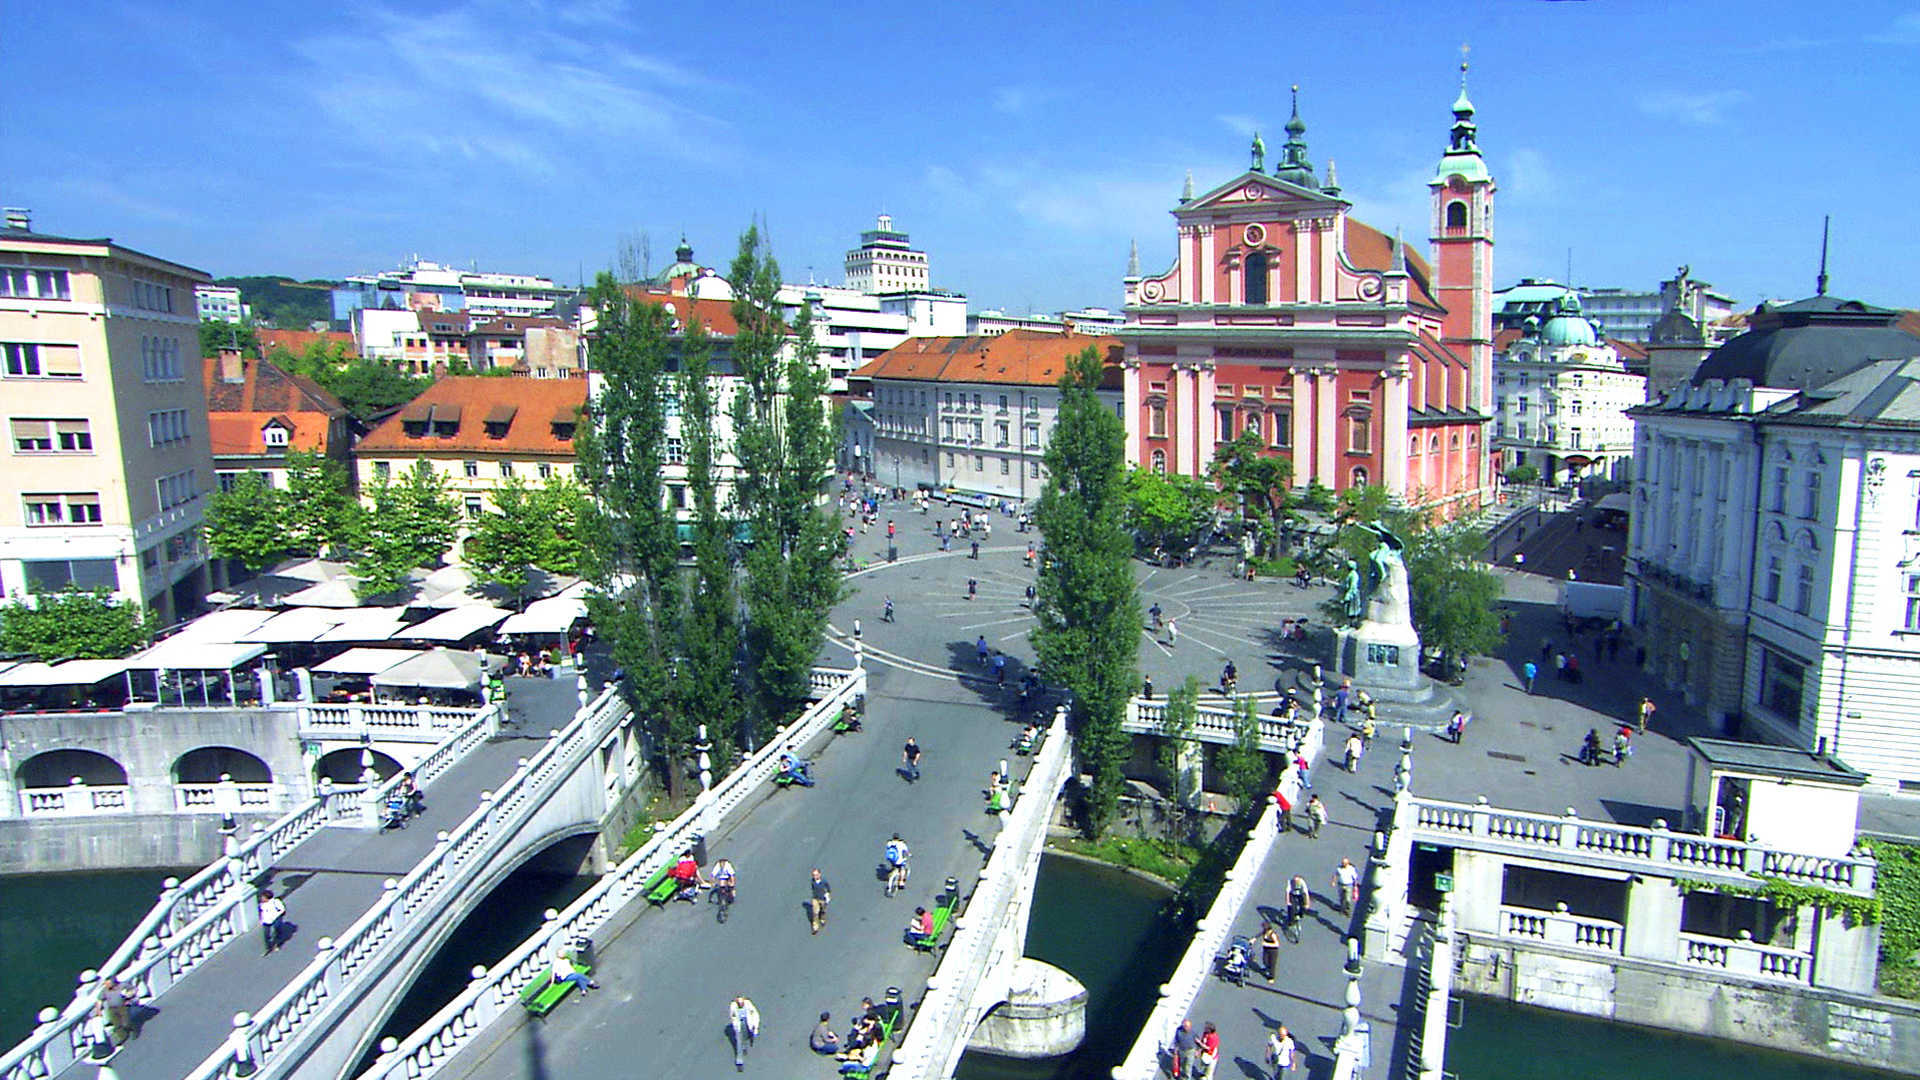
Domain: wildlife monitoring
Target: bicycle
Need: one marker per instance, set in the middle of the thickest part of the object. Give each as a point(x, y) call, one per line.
point(723, 896)
point(897, 877)
point(1290, 924)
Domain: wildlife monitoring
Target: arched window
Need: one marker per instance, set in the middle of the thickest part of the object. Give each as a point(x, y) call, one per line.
point(1456, 215)
point(1433, 444)
point(1257, 278)
point(1359, 477)
point(1453, 441)
point(1413, 445)
point(1160, 461)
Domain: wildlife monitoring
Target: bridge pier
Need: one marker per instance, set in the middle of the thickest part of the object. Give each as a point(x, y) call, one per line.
point(1045, 1014)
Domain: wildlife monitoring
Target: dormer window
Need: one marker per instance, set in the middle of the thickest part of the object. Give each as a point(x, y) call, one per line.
point(274, 436)
point(563, 423)
point(446, 421)
point(499, 420)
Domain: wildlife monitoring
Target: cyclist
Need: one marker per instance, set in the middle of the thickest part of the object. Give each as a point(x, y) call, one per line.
point(897, 854)
point(1229, 679)
point(1299, 902)
point(724, 882)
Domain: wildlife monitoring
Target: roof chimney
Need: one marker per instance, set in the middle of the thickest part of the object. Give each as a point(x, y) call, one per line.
point(19, 217)
point(233, 367)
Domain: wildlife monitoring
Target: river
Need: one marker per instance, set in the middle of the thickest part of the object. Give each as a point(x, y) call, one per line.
point(54, 926)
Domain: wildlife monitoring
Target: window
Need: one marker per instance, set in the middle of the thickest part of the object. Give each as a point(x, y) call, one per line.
point(979, 431)
point(976, 403)
point(1001, 432)
point(53, 575)
point(1157, 420)
point(1160, 461)
point(1033, 469)
point(1413, 445)
point(168, 426)
point(1226, 423)
point(30, 360)
point(676, 450)
point(1520, 430)
point(946, 429)
point(1576, 439)
point(1782, 685)
point(1456, 215)
point(979, 463)
point(274, 436)
point(32, 436)
point(506, 468)
point(470, 468)
point(1006, 466)
point(382, 470)
point(1359, 434)
point(1257, 278)
point(160, 359)
point(1523, 380)
point(950, 459)
point(24, 284)
point(1520, 406)
point(177, 489)
point(1249, 391)
point(1771, 590)
point(71, 508)
point(152, 296)
point(1003, 403)
point(947, 400)
point(1282, 427)
point(1810, 496)
point(546, 470)
point(1803, 590)
point(1033, 437)
point(474, 506)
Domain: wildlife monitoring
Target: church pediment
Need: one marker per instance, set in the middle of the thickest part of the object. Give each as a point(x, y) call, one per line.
point(1259, 189)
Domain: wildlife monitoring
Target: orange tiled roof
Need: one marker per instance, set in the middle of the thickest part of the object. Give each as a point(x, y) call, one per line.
point(237, 412)
point(1370, 249)
point(1017, 358)
point(534, 404)
point(297, 341)
point(243, 434)
point(715, 315)
point(1628, 350)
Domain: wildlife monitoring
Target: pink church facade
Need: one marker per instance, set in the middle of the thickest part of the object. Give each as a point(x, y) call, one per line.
point(1340, 349)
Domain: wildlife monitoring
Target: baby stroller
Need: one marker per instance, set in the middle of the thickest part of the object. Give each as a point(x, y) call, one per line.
point(396, 811)
point(1233, 966)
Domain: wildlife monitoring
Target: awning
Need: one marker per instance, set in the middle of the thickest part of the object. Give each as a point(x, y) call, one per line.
point(441, 669)
point(1616, 501)
point(71, 673)
point(367, 624)
point(337, 593)
point(456, 625)
point(225, 625)
point(366, 661)
point(310, 570)
point(554, 615)
point(174, 654)
point(302, 624)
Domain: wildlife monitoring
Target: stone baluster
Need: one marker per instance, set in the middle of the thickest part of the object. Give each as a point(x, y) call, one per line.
point(240, 1045)
point(1570, 829)
point(1482, 816)
point(324, 950)
point(1660, 845)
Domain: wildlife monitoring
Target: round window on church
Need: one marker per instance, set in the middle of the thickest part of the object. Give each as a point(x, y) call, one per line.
point(1256, 234)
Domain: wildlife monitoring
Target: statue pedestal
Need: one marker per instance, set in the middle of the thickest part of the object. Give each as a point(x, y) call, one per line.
point(1379, 655)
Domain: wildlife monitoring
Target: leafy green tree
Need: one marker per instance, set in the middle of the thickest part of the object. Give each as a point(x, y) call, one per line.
point(562, 504)
point(283, 302)
point(1177, 726)
point(1088, 611)
point(784, 445)
point(319, 514)
point(412, 525)
point(216, 335)
point(1243, 767)
point(631, 545)
point(1456, 598)
point(249, 523)
point(1259, 483)
point(370, 387)
point(508, 541)
point(75, 625)
point(710, 631)
point(1318, 497)
point(1523, 474)
point(1367, 502)
point(1166, 511)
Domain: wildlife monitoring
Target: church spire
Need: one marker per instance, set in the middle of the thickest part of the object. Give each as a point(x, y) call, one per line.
point(1295, 167)
point(1332, 186)
point(1133, 259)
point(1464, 129)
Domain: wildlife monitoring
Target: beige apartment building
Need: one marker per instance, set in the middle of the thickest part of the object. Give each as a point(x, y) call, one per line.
point(107, 457)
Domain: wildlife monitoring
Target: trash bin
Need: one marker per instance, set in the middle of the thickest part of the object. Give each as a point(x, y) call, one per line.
point(582, 948)
point(699, 846)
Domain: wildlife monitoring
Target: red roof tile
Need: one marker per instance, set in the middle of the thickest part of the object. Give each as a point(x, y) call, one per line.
point(237, 412)
point(715, 315)
point(1370, 249)
point(1017, 358)
point(472, 399)
point(298, 341)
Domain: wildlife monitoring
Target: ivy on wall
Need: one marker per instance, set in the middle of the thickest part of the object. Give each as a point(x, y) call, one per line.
point(1855, 910)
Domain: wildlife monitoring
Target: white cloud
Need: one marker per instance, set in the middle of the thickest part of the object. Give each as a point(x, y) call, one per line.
point(1706, 107)
point(1012, 100)
point(1529, 177)
point(1241, 125)
point(1904, 31)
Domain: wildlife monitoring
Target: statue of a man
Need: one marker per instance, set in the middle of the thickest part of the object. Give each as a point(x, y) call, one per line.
point(1350, 592)
point(1388, 601)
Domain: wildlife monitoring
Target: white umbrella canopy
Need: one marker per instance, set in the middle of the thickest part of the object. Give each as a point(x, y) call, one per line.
point(335, 593)
point(440, 669)
point(311, 569)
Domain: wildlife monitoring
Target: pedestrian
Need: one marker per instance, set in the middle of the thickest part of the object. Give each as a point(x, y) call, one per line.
point(1269, 949)
point(1146, 687)
point(1346, 878)
point(944, 539)
point(822, 895)
point(116, 1005)
point(1590, 748)
point(1531, 671)
point(1316, 817)
point(889, 528)
point(1030, 553)
point(1282, 1052)
point(1646, 713)
point(273, 917)
point(1560, 666)
point(973, 588)
point(999, 669)
point(1457, 726)
point(1173, 634)
point(1030, 595)
point(1546, 649)
point(1209, 1049)
point(980, 649)
point(744, 1019)
point(1185, 1047)
point(1573, 669)
point(1154, 613)
point(1622, 745)
point(1353, 751)
point(910, 758)
point(976, 550)
point(1306, 778)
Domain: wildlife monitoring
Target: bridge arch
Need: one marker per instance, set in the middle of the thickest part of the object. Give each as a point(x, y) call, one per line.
point(59, 768)
point(211, 764)
point(345, 766)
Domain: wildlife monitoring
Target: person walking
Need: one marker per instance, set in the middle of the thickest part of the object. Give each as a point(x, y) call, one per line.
point(1346, 878)
point(1030, 595)
point(1186, 1045)
point(273, 916)
point(744, 1019)
point(1282, 1052)
point(910, 758)
point(116, 1005)
point(1209, 1049)
point(1173, 634)
point(1300, 764)
point(1316, 817)
point(1531, 671)
point(973, 588)
point(976, 550)
point(1146, 687)
point(822, 895)
point(1646, 713)
point(1353, 751)
point(1000, 669)
point(1457, 726)
point(896, 855)
point(1269, 949)
point(1590, 748)
point(1622, 745)
point(980, 650)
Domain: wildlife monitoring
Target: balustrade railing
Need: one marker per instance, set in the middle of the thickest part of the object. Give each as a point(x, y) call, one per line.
point(390, 722)
point(497, 991)
point(1212, 723)
point(1177, 994)
point(1560, 927)
point(1744, 956)
point(937, 1034)
point(75, 800)
point(207, 798)
point(1657, 848)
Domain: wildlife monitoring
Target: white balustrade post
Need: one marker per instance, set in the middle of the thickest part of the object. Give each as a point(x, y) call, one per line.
point(240, 1045)
point(1662, 842)
point(1482, 816)
point(330, 973)
point(1570, 829)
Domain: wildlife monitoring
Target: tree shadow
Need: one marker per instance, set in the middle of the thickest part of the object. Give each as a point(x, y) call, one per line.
point(1641, 814)
point(998, 688)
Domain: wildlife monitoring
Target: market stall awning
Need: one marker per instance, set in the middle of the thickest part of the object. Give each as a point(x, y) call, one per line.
point(337, 593)
point(366, 661)
point(296, 625)
point(228, 625)
point(440, 669)
point(367, 624)
point(311, 569)
point(554, 615)
point(457, 624)
point(174, 654)
point(71, 673)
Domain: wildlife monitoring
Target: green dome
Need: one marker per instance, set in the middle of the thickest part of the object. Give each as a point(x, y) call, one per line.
point(1569, 330)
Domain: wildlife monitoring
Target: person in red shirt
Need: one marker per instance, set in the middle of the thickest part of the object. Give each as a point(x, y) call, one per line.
point(1209, 1049)
point(687, 873)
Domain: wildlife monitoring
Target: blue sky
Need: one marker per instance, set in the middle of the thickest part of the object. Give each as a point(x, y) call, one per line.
point(1023, 147)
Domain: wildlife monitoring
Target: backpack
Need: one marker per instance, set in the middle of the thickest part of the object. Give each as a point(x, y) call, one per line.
point(896, 852)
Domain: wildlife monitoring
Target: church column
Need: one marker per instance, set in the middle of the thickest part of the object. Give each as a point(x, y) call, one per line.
point(1207, 269)
point(1130, 397)
point(1304, 287)
point(1300, 416)
point(1393, 426)
point(1324, 291)
point(1180, 407)
point(1189, 259)
point(1208, 418)
point(1326, 426)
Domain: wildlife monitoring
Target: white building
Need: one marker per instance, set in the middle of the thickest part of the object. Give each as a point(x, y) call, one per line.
point(1561, 395)
point(971, 413)
point(1629, 314)
point(433, 286)
point(993, 322)
point(1775, 539)
point(885, 262)
point(220, 303)
point(852, 327)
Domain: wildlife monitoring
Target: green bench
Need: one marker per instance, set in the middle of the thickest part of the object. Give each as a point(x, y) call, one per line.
point(662, 887)
point(890, 1014)
point(942, 915)
point(543, 993)
point(848, 720)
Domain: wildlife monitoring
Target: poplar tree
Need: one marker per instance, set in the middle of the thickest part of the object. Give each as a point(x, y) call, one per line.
point(1088, 611)
point(784, 445)
point(710, 631)
point(630, 543)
